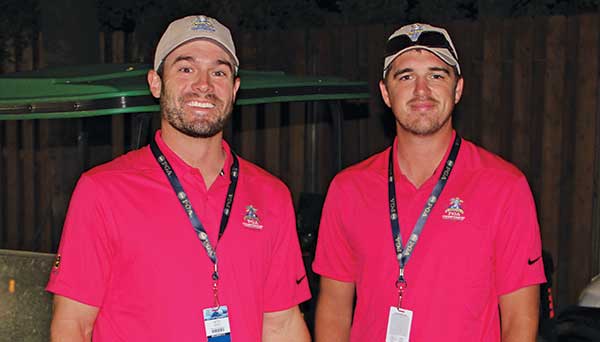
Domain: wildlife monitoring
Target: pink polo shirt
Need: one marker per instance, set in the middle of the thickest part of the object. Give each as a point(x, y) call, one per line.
point(129, 249)
point(481, 241)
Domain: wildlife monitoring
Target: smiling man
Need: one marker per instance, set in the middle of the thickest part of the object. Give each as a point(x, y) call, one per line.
point(182, 240)
point(436, 238)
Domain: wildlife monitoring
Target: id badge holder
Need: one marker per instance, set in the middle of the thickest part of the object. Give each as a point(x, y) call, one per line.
point(399, 323)
point(216, 323)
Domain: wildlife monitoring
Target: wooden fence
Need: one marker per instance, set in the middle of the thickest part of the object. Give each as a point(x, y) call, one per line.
point(531, 95)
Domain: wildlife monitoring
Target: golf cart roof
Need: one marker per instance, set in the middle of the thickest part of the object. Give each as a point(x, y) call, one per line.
point(107, 89)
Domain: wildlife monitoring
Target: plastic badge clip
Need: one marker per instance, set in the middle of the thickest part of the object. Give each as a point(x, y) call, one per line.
point(401, 285)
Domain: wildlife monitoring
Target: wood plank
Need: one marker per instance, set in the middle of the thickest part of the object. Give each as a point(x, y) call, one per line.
point(47, 177)
point(363, 66)
point(552, 137)
point(468, 114)
point(347, 39)
point(566, 285)
point(596, 187)
point(284, 143)
point(247, 133)
point(297, 132)
point(506, 112)
point(102, 53)
point(40, 53)
point(272, 136)
point(118, 47)
point(296, 162)
point(537, 118)
point(491, 106)
point(25, 55)
point(29, 224)
point(522, 94)
point(323, 62)
point(7, 64)
point(379, 114)
point(117, 134)
point(118, 121)
point(3, 194)
point(13, 185)
point(584, 118)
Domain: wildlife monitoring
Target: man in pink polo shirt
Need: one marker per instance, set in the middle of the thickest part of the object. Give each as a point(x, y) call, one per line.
point(182, 240)
point(436, 238)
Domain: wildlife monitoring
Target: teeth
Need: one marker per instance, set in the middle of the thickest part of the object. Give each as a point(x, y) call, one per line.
point(201, 104)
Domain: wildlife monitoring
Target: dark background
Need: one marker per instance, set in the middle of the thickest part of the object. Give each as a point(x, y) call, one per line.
point(531, 72)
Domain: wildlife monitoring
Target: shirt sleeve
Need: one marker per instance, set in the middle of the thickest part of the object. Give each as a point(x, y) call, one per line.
point(286, 284)
point(518, 245)
point(334, 258)
point(83, 266)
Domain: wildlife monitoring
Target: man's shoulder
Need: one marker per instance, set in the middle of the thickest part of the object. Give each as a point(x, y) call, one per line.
point(255, 175)
point(375, 164)
point(132, 162)
point(479, 159)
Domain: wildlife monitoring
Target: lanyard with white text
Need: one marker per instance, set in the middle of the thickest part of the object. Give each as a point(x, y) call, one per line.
point(189, 210)
point(404, 253)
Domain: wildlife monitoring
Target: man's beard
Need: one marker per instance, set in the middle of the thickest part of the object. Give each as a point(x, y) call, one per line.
point(430, 128)
point(172, 109)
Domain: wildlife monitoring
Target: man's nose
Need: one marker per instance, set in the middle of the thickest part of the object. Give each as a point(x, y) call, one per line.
point(421, 86)
point(202, 82)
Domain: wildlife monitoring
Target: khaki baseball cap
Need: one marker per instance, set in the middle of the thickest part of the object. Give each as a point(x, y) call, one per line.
point(194, 27)
point(421, 36)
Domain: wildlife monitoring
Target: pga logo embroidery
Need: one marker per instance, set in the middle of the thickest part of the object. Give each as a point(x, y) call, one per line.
point(201, 23)
point(251, 219)
point(454, 211)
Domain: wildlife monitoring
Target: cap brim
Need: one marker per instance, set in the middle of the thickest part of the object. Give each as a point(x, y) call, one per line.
point(442, 54)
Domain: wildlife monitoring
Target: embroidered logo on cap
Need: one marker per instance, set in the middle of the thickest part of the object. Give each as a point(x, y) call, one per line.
point(415, 32)
point(201, 23)
point(454, 211)
point(251, 220)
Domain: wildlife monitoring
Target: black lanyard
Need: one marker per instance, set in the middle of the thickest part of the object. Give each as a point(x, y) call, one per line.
point(187, 205)
point(403, 253)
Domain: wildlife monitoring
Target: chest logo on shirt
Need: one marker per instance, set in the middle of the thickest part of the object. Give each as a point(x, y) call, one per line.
point(454, 211)
point(251, 219)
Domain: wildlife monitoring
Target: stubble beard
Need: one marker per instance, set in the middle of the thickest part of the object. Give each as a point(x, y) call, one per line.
point(172, 109)
point(424, 126)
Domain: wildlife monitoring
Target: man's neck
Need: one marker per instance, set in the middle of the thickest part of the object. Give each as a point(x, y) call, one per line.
point(205, 154)
point(419, 156)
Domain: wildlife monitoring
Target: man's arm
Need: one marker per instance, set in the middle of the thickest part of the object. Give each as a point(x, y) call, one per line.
point(334, 311)
point(72, 321)
point(519, 312)
point(287, 325)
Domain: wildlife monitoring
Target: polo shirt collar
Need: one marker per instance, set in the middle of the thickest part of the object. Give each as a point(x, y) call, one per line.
point(181, 167)
point(400, 177)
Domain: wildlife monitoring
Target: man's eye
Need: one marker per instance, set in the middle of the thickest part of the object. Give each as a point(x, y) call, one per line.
point(220, 73)
point(438, 76)
point(185, 69)
point(404, 77)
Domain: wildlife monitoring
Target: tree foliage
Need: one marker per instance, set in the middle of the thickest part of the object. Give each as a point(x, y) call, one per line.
point(18, 23)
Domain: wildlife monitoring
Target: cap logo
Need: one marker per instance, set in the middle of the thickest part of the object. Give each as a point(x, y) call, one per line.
point(201, 23)
point(415, 32)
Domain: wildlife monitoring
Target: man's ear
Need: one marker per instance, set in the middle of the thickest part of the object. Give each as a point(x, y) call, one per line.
point(458, 90)
point(236, 87)
point(384, 93)
point(155, 83)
